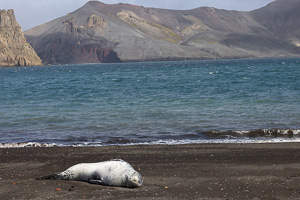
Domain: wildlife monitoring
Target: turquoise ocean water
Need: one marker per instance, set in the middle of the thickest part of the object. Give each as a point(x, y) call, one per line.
point(152, 102)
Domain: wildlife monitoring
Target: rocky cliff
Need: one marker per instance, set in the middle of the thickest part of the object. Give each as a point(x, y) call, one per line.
point(14, 50)
point(99, 32)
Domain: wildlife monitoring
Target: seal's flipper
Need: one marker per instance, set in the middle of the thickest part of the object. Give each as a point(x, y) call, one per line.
point(118, 159)
point(51, 177)
point(99, 182)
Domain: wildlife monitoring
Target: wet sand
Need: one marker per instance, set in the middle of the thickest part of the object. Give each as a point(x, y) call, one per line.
point(202, 171)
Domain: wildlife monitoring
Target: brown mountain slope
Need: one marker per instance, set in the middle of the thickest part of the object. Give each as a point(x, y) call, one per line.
point(14, 50)
point(99, 32)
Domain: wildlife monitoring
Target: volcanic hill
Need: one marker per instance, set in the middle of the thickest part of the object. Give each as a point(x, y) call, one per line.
point(99, 32)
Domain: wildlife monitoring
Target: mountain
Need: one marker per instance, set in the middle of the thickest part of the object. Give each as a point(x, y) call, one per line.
point(281, 18)
point(14, 50)
point(99, 32)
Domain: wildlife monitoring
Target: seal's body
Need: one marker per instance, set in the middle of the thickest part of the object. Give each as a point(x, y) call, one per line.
point(112, 173)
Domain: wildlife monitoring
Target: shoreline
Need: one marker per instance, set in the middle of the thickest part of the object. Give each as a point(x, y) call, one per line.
point(252, 136)
point(191, 171)
point(254, 140)
point(159, 60)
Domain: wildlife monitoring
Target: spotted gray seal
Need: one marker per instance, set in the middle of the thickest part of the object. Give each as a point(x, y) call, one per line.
point(115, 172)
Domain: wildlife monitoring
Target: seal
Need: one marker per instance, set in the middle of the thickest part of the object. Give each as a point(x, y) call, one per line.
point(115, 172)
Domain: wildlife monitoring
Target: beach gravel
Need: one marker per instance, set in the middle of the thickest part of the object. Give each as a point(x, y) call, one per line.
point(198, 171)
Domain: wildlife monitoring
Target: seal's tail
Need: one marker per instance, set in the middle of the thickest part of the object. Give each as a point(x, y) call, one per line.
point(51, 177)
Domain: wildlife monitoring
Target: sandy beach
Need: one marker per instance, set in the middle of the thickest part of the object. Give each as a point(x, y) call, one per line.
point(201, 171)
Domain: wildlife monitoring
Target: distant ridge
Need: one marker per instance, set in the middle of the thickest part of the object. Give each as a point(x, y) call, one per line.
point(99, 32)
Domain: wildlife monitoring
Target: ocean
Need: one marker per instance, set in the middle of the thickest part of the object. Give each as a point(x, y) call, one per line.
point(248, 100)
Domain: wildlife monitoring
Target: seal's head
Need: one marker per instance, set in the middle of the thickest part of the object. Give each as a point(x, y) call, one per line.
point(134, 180)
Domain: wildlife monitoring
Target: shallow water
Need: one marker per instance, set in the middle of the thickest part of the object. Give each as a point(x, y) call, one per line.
point(146, 102)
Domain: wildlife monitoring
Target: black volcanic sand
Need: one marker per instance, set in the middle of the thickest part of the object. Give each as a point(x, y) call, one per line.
point(202, 171)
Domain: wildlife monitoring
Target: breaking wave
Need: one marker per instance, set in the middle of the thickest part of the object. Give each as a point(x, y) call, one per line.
point(270, 133)
point(207, 137)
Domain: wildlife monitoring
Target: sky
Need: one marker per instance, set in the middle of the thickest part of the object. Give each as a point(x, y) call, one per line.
point(31, 13)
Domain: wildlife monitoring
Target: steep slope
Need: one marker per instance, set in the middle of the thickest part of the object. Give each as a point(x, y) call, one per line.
point(63, 41)
point(14, 50)
point(100, 32)
point(281, 18)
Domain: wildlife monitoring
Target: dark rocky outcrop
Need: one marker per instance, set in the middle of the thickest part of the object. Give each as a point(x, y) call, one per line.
point(74, 43)
point(100, 32)
point(14, 50)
